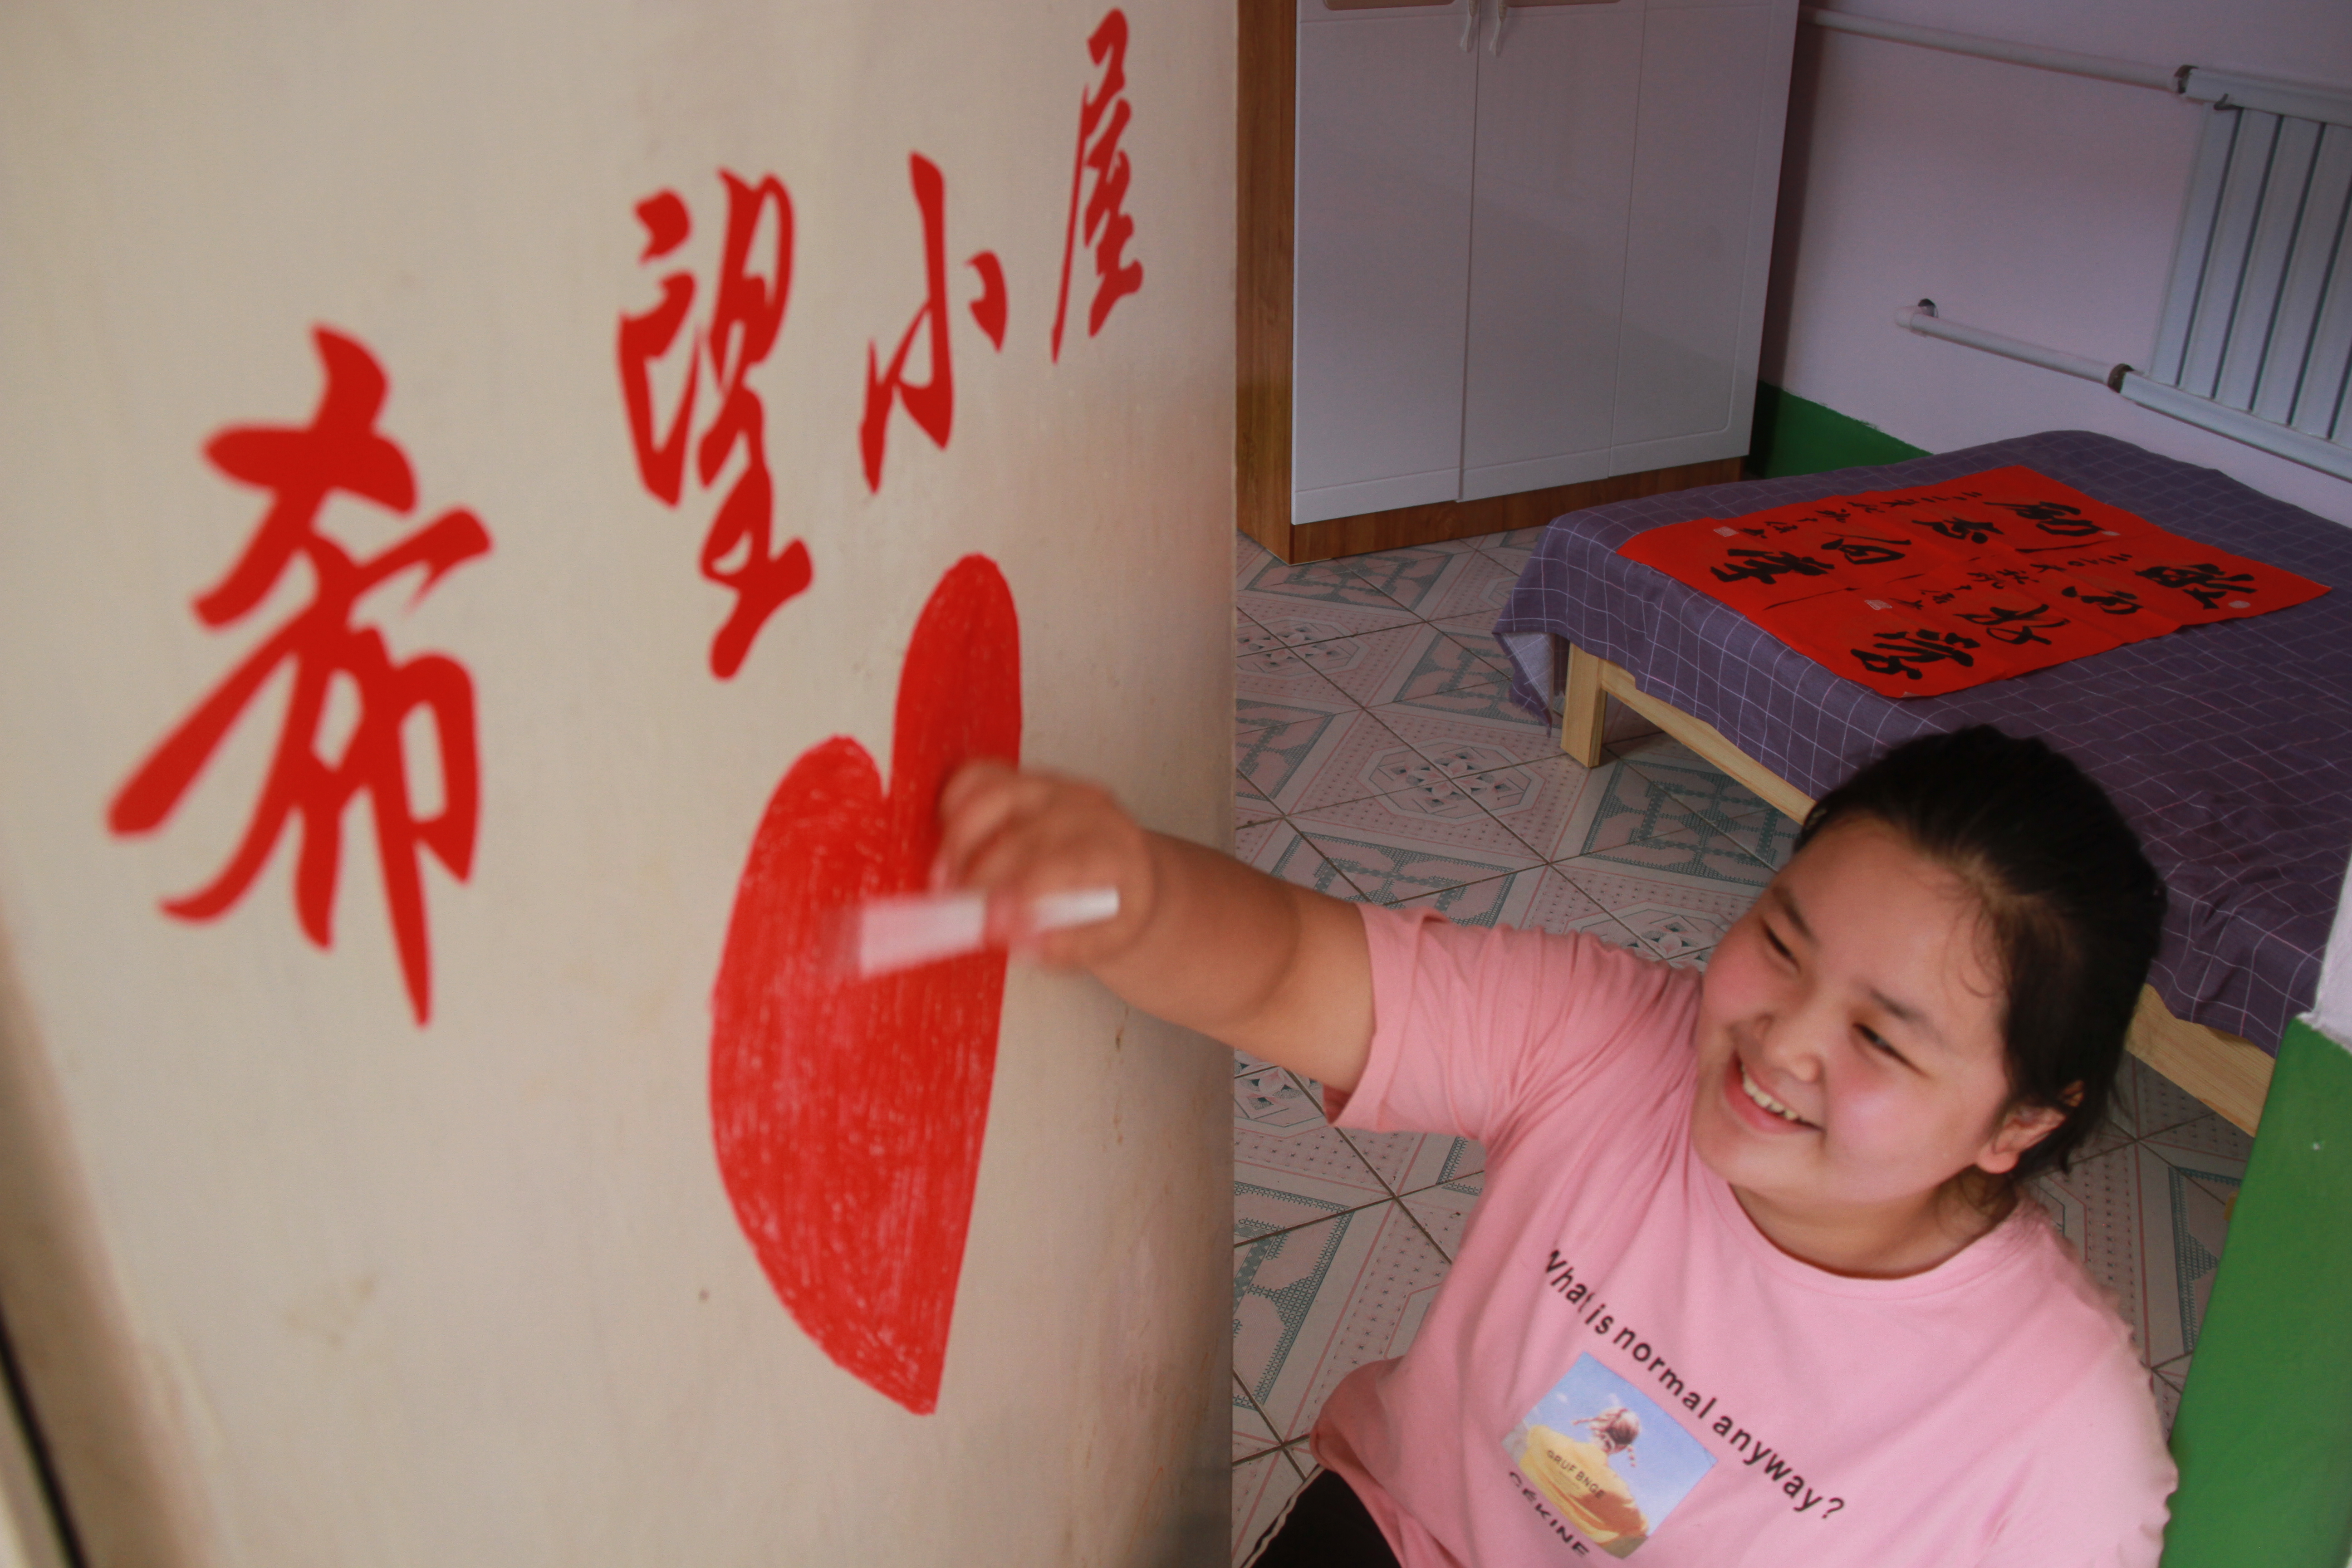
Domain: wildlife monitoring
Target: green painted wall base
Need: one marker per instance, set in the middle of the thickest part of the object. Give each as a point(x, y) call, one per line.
point(2264, 1435)
point(1795, 436)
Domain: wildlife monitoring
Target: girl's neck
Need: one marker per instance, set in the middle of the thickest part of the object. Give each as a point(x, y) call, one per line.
point(1887, 1242)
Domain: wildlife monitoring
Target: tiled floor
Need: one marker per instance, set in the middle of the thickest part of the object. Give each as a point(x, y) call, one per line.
point(1379, 757)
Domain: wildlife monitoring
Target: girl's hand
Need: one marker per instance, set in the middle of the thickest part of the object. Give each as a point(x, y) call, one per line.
point(1199, 938)
point(1017, 836)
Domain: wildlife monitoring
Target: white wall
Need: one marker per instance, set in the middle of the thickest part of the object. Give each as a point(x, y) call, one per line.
point(2040, 205)
point(299, 1281)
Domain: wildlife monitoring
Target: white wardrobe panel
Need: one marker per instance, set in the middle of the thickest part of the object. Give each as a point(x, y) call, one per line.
point(1557, 106)
point(1387, 105)
point(1694, 241)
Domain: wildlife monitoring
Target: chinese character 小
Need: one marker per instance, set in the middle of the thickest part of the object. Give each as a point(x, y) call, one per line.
point(931, 404)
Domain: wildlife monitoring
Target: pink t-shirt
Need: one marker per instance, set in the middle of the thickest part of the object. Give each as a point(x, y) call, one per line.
point(1619, 1362)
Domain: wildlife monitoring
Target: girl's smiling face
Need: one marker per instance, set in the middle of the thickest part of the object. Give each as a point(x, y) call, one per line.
point(1851, 1064)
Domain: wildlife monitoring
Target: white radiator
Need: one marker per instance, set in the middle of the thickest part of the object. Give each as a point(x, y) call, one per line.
point(2256, 341)
point(2259, 318)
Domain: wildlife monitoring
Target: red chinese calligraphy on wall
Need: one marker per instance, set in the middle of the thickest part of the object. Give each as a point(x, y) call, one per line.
point(746, 312)
point(1103, 114)
point(339, 452)
point(929, 403)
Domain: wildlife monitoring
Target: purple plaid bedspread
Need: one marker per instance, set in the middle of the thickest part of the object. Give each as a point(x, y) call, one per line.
point(2228, 746)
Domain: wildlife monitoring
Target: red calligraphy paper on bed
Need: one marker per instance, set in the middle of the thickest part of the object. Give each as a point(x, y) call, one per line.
point(1919, 592)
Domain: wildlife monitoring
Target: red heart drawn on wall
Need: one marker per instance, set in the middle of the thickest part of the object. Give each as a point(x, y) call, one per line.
point(848, 1113)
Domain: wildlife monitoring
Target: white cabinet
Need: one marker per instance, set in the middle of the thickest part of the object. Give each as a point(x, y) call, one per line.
point(1387, 109)
point(1533, 262)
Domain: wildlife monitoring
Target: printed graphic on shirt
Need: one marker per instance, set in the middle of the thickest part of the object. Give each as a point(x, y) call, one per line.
point(1610, 1458)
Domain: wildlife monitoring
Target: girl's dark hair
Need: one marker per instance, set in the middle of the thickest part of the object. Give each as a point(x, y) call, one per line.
point(2072, 904)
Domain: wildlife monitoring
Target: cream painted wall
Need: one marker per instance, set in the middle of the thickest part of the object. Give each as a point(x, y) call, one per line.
point(300, 1282)
point(2035, 205)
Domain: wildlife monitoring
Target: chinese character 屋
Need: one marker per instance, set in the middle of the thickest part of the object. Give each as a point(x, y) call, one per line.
point(1102, 222)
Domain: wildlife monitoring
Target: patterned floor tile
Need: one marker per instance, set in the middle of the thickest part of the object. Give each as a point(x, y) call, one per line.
point(1476, 583)
point(1463, 743)
point(1249, 557)
point(1443, 1212)
point(1407, 1161)
point(1308, 626)
point(1621, 725)
point(1266, 670)
point(2184, 1222)
point(1249, 807)
point(1458, 1164)
point(1476, 633)
point(1516, 539)
point(1660, 749)
point(2203, 1137)
point(1310, 1305)
point(1390, 858)
point(1252, 1436)
point(1276, 849)
point(1268, 1201)
point(1295, 1166)
point(2169, 1385)
point(1244, 1062)
point(1470, 698)
point(1559, 906)
point(1255, 720)
point(1644, 826)
point(1496, 902)
point(1675, 915)
point(1321, 592)
point(1449, 817)
point(1323, 759)
point(1411, 576)
point(1261, 1488)
point(1767, 836)
point(1416, 665)
point(1267, 1101)
point(2146, 1101)
point(1704, 792)
point(2095, 1208)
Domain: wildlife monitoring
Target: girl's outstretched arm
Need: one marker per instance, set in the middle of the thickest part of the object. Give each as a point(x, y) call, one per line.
point(1200, 940)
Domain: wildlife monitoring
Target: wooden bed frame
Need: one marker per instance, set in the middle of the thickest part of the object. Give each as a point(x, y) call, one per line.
point(2228, 1074)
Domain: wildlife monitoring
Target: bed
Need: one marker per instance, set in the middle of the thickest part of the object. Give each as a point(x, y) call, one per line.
point(2228, 746)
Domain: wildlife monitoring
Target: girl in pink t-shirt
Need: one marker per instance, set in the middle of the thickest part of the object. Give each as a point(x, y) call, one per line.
point(1766, 1222)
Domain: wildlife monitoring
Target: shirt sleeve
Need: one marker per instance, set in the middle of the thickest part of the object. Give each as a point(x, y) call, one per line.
point(2095, 1493)
point(1475, 1029)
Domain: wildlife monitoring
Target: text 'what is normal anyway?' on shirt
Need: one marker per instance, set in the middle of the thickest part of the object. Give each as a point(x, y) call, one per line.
point(1583, 1458)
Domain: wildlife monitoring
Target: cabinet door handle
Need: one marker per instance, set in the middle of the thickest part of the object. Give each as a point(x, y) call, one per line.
point(1470, 29)
point(1494, 38)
